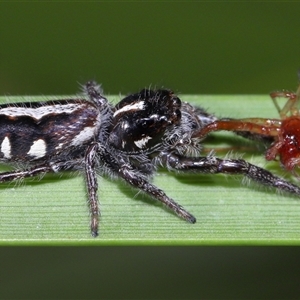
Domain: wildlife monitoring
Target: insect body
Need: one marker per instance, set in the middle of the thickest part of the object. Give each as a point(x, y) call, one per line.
point(284, 132)
point(128, 141)
point(287, 142)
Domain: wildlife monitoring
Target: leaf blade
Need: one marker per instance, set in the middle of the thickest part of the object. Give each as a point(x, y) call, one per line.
point(53, 210)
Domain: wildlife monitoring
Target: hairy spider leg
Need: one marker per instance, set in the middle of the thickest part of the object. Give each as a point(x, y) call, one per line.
point(214, 165)
point(92, 187)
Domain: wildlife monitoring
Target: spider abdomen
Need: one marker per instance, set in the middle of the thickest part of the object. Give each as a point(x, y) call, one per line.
point(35, 131)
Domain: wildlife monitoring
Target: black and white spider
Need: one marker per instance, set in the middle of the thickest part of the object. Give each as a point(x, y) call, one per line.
point(143, 131)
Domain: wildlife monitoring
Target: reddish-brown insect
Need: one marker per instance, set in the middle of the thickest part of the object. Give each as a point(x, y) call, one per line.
point(285, 131)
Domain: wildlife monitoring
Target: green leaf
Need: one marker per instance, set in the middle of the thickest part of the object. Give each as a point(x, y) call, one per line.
point(52, 210)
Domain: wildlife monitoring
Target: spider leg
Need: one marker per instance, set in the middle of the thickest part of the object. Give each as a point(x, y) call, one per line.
point(92, 186)
point(213, 165)
point(94, 92)
point(137, 181)
point(31, 172)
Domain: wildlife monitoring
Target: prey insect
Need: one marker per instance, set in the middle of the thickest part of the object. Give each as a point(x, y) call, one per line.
point(284, 133)
point(144, 131)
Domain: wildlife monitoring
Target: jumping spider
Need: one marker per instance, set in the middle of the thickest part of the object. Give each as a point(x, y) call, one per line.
point(144, 131)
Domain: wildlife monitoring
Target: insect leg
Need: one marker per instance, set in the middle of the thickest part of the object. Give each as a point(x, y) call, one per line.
point(267, 127)
point(213, 165)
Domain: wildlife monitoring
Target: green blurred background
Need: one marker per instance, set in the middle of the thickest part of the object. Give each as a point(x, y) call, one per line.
point(191, 47)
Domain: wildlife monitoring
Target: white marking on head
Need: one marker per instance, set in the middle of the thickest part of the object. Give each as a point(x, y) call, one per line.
point(135, 106)
point(38, 149)
point(6, 147)
point(142, 142)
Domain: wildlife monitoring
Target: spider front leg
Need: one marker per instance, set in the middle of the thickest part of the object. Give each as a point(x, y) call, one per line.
point(213, 165)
